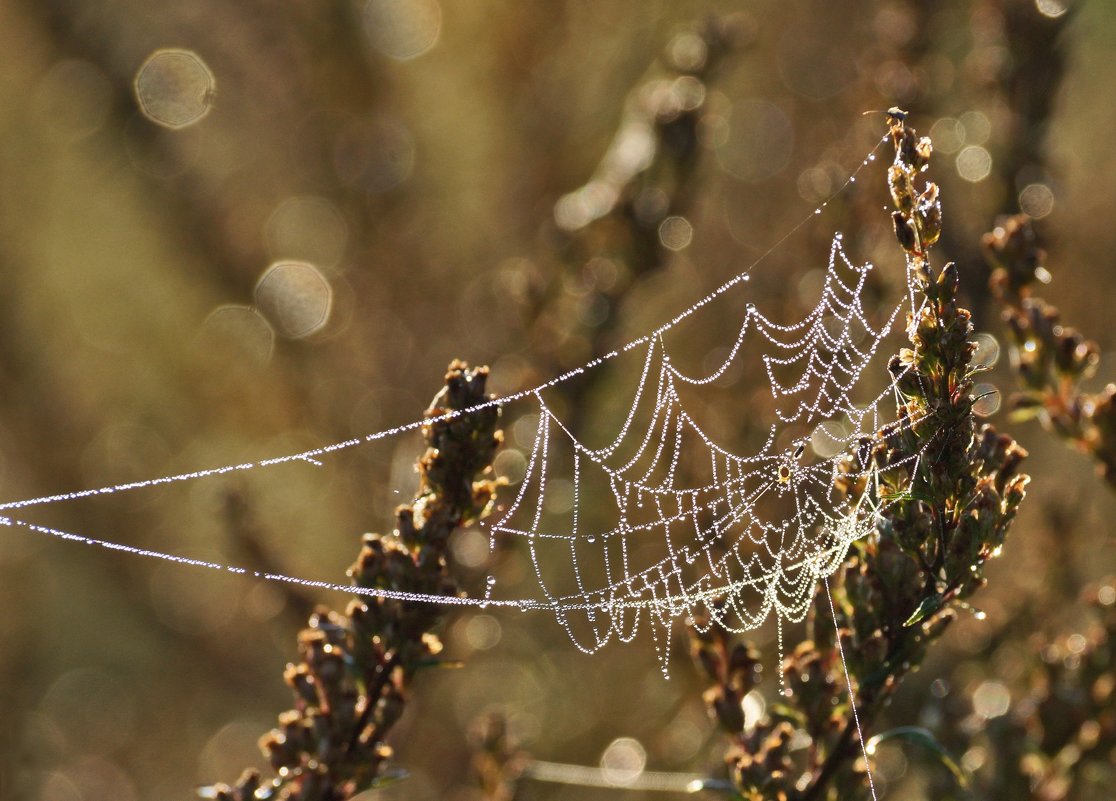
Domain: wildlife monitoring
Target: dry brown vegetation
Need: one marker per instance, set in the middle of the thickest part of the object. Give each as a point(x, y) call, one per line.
point(427, 193)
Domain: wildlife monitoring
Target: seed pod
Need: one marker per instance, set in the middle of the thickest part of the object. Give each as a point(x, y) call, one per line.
point(930, 215)
point(923, 151)
point(902, 190)
point(949, 279)
point(907, 147)
point(904, 232)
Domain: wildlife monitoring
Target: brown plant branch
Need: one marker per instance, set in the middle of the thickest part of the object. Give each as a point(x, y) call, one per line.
point(356, 667)
point(900, 588)
point(1051, 360)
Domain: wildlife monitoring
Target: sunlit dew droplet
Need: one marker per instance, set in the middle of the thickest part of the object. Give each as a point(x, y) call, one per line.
point(174, 88)
point(1036, 200)
point(402, 29)
point(295, 297)
point(974, 163)
point(623, 761)
point(986, 400)
point(239, 327)
point(676, 233)
point(987, 351)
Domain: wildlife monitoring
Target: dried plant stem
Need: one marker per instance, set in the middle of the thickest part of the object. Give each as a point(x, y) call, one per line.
point(1051, 360)
point(351, 683)
point(951, 493)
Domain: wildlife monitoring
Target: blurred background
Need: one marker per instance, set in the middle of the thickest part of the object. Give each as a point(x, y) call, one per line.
point(233, 231)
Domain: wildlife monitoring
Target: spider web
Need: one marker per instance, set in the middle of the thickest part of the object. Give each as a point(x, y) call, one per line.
point(690, 528)
point(666, 521)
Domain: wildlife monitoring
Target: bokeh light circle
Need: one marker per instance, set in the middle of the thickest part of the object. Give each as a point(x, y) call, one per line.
point(987, 351)
point(986, 400)
point(402, 29)
point(760, 141)
point(1036, 200)
point(295, 297)
point(241, 327)
point(974, 163)
point(676, 233)
point(174, 88)
point(623, 761)
point(307, 228)
point(374, 155)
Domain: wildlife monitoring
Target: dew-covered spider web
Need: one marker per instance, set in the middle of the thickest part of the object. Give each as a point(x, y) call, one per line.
point(667, 520)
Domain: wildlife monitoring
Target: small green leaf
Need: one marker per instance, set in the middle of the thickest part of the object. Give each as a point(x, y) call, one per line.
point(929, 606)
point(922, 737)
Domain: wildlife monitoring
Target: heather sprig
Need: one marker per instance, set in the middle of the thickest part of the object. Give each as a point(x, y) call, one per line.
point(1051, 360)
point(1055, 740)
point(355, 668)
point(947, 494)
